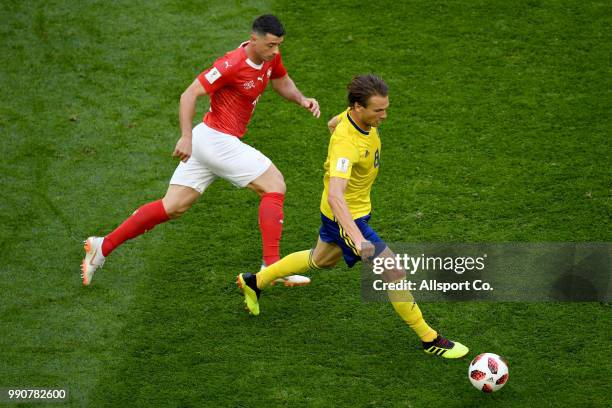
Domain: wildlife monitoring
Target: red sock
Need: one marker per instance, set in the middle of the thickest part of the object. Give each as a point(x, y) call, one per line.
point(271, 225)
point(143, 220)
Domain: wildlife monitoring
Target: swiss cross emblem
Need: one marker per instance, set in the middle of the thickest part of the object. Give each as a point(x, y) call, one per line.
point(269, 73)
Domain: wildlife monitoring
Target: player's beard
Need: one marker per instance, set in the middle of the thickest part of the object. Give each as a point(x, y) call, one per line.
point(378, 122)
point(374, 122)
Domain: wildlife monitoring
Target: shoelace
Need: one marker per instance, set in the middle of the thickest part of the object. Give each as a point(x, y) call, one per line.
point(444, 342)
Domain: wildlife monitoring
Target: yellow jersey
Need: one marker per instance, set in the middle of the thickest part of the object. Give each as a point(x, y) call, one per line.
point(353, 154)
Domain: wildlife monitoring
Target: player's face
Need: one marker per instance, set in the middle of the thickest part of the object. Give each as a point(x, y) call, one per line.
point(375, 112)
point(266, 46)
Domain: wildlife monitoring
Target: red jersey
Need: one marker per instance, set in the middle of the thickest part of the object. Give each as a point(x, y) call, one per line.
point(234, 84)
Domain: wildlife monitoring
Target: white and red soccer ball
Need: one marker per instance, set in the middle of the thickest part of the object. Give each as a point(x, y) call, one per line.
point(488, 372)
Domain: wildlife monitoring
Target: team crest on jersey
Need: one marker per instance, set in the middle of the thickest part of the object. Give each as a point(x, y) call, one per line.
point(249, 85)
point(269, 73)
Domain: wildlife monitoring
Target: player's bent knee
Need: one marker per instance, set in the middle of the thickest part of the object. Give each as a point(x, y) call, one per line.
point(175, 212)
point(178, 200)
point(281, 187)
point(271, 181)
point(174, 209)
point(276, 184)
point(393, 275)
point(325, 262)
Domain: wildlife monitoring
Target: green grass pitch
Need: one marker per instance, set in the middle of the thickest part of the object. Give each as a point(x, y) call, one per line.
point(498, 131)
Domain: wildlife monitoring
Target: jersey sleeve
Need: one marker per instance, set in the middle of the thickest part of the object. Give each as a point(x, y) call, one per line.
point(278, 69)
point(217, 76)
point(342, 155)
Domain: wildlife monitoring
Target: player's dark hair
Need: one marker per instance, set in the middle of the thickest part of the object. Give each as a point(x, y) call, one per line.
point(268, 24)
point(362, 87)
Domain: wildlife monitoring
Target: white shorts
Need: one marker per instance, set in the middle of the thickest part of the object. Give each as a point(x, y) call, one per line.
point(215, 154)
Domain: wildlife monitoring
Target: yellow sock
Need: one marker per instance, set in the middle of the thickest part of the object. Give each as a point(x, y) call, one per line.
point(411, 314)
point(295, 263)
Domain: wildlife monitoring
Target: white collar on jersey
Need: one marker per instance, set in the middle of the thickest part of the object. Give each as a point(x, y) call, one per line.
point(254, 65)
point(248, 60)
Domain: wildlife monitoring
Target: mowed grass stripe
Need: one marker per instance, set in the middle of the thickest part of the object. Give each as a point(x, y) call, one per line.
point(55, 334)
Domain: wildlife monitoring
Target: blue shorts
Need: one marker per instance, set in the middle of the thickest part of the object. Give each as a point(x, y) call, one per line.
point(332, 232)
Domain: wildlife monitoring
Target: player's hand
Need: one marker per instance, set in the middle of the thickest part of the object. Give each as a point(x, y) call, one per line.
point(366, 250)
point(183, 148)
point(312, 105)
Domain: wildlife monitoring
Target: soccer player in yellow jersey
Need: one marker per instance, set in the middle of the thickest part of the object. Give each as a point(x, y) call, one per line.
point(353, 160)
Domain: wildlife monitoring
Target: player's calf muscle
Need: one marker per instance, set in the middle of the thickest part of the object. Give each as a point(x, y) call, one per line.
point(325, 263)
point(326, 258)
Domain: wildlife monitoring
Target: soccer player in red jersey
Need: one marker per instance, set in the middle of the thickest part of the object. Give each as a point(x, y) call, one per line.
point(214, 148)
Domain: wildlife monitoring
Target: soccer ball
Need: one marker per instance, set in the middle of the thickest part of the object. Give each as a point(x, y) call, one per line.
point(488, 372)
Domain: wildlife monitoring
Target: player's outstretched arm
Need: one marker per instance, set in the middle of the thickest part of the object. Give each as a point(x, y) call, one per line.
point(187, 109)
point(286, 88)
